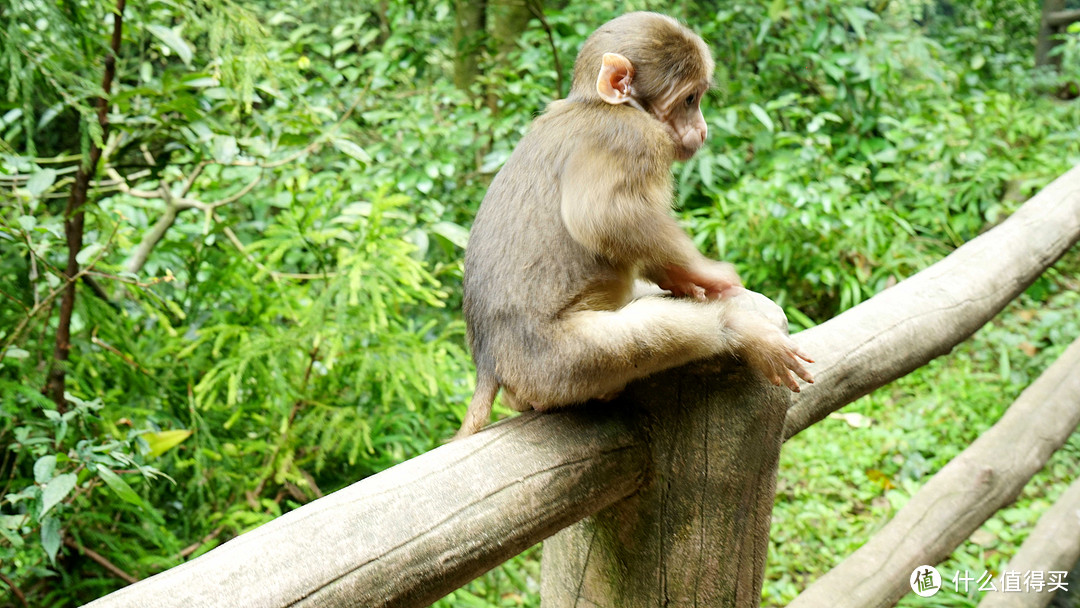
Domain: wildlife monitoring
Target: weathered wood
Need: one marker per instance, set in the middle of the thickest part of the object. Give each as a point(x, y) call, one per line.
point(413, 533)
point(925, 316)
point(697, 533)
point(1054, 545)
point(986, 476)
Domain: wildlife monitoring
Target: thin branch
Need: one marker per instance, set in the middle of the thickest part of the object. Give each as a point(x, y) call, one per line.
point(102, 561)
point(190, 181)
point(112, 349)
point(14, 590)
point(99, 291)
point(173, 206)
point(538, 12)
point(74, 221)
point(193, 547)
point(274, 274)
point(61, 289)
point(17, 301)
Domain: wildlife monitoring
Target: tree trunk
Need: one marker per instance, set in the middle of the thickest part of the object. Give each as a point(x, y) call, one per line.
point(698, 532)
point(470, 24)
point(1046, 43)
point(509, 18)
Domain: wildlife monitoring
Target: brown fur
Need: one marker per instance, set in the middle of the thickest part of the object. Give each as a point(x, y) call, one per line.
point(578, 212)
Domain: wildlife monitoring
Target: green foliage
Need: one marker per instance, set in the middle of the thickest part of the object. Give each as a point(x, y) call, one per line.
point(273, 253)
point(843, 478)
point(863, 150)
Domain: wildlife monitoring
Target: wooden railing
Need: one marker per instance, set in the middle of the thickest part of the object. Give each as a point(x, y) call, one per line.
point(663, 496)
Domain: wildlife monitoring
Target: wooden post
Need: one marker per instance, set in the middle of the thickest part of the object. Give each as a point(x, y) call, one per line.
point(698, 532)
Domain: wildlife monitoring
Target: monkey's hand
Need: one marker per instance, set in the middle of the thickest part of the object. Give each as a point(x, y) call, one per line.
point(762, 330)
point(703, 280)
point(778, 357)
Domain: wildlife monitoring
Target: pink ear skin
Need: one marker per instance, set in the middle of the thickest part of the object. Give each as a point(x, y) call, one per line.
point(615, 82)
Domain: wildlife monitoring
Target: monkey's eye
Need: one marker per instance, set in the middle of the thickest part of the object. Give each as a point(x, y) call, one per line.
point(690, 99)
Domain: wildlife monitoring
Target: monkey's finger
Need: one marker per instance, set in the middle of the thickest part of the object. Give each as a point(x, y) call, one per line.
point(789, 380)
point(776, 380)
point(800, 371)
point(800, 353)
point(793, 352)
point(797, 368)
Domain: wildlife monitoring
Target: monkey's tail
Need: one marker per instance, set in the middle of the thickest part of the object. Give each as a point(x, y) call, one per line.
point(479, 412)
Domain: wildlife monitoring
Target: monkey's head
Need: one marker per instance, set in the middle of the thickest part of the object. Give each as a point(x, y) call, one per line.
point(651, 62)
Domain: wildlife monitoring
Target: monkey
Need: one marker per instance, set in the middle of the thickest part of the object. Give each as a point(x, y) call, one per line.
point(579, 212)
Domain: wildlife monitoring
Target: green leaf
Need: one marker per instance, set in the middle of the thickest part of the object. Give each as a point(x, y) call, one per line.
point(164, 441)
point(705, 168)
point(56, 490)
point(88, 253)
point(762, 116)
point(225, 148)
point(15, 353)
point(50, 537)
point(44, 468)
point(202, 83)
point(452, 232)
point(9, 526)
point(352, 150)
point(119, 486)
point(341, 46)
point(977, 62)
point(419, 239)
point(40, 181)
point(174, 41)
point(887, 175)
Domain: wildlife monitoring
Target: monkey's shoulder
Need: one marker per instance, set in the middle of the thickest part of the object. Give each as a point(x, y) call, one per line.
point(592, 126)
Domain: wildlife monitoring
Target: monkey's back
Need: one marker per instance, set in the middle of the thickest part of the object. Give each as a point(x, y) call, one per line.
point(523, 269)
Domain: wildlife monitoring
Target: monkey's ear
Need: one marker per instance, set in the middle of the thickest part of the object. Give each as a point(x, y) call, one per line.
point(615, 83)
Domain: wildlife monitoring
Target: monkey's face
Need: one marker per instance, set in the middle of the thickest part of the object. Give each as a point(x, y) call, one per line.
point(677, 105)
point(680, 112)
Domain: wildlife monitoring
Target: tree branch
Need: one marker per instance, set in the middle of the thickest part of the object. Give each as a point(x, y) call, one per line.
point(538, 12)
point(102, 561)
point(74, 221)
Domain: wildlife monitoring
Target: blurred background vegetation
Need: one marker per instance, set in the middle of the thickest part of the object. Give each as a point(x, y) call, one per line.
point(269, 255)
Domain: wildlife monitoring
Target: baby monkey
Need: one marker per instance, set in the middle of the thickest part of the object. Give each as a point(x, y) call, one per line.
point(579, 212)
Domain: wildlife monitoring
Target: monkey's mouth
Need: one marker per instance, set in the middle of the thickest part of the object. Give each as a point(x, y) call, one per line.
point(682, 153)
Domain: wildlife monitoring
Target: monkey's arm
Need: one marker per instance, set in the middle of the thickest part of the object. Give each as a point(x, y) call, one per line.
point(624, 217)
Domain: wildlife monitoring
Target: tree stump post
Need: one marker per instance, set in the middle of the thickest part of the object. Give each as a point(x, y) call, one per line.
point(697, 533)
